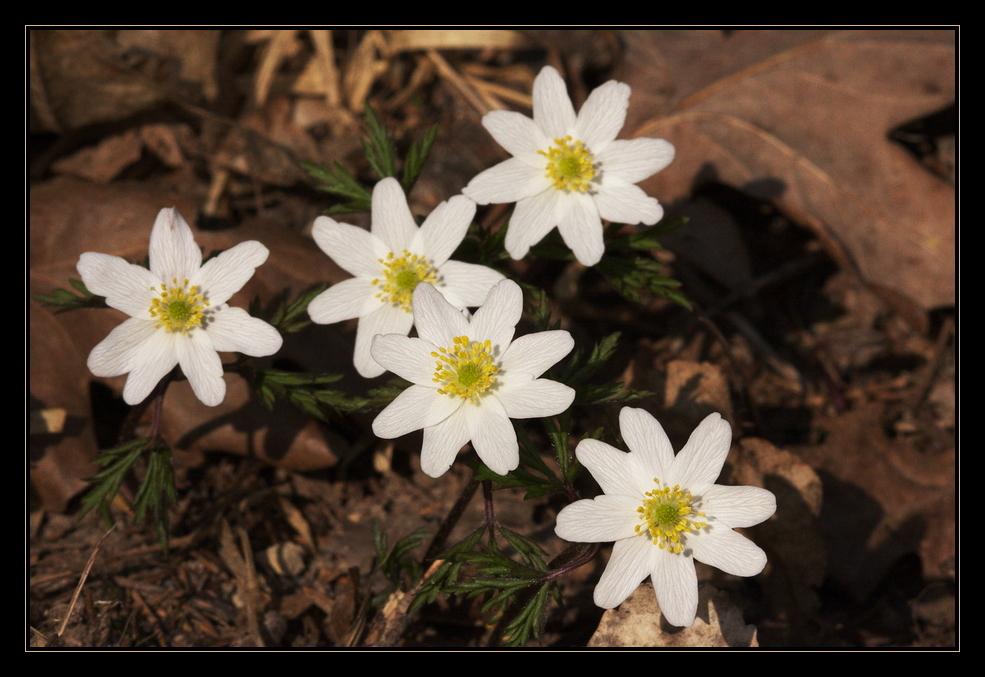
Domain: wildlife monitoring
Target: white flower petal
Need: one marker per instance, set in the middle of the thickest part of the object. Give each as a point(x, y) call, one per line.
point(536, 399)
point(700, 462)
point(465, 285)
point(615, 471)
point(727, 550)
point(123, 350)
point(581, 228)
point(738, 506)
point(646, 438)
point(442, 442)
point(492, 434)
point(157, 356)
point(173, 252)
point(444, 229)
point(519, 135)
point(437, 320)
point(355, 250)
point(415, 408)
point(509, 181)
point(598, 520)
point(126, 286)
point(536, 353)
point(602, 115)
point(628, 566)
point(235, 330)
point(532, 219)
point(676, 585)
point(553, 111)
point(408, 358)
point(625, 479)
point(200, 363)
point(524, 178)
point(633, 160)
point(226, 274)
point(626, 203)
point(495, 320)
point(149, 351)
point(392, 221)
point(386, 320)
point(347, 299)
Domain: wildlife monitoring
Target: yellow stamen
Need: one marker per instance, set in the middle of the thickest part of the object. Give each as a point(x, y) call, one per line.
point(178, 308)
point(666, 513)
point(570, 165)
point(466, 369)
point(400, 277)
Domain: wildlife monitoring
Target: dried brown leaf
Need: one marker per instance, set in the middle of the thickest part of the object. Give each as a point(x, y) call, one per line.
point(883, 500)
point(269, 145)
point(81, 77)
point(103, 162)
point(638, 622)
point(59, 460)
point(664, 67)
point(791, 538)
point(807, 128)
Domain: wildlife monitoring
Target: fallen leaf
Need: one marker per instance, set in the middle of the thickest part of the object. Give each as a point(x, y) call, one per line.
point(791, 537)
point(638, 622)
point(269, 146)
point(808, 129)
point(82, 77)
point(664, 67)
point(883, 500)
point(103, 162)
point(694, 390)
point(59, 460)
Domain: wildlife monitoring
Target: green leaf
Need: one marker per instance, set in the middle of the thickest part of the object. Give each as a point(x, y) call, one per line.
point(338, 181)
point(64, 300)
point(529, 621)
point(417, 155)
point(307, 391)
point(156, 492)
point(601, 353)
point(521, 588)
point(288, 317)
point(114, 464)
point(379, 147)
point(634, 277)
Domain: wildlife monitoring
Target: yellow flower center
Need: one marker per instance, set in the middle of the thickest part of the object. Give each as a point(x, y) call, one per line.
point(178, 307)
point(665, 514)
point(570, 165)
point(401, 275)
point(465, 369)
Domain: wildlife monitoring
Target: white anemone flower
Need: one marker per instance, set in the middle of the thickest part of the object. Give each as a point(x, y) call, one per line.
point(178, 312)
point(470, 378)
point(663, 512)
point(388, 263)
point(570, 171)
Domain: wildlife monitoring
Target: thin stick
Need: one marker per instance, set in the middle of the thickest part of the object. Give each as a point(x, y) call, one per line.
point(85, 575)
point(458, 83)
